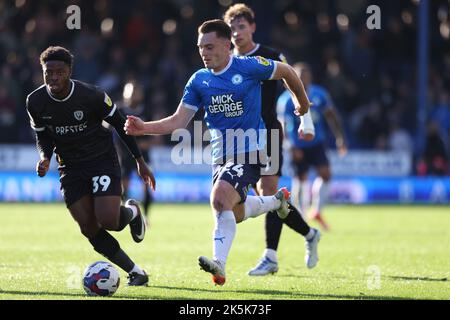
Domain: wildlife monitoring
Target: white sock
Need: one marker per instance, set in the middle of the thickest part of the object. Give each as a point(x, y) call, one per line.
point(134, 210)
point(310, 234)
point(271, 254)
point(223, 235)
point(137, 269)
point(304, 196)
point(256, 206)
point(296, 192)
point(319, 194)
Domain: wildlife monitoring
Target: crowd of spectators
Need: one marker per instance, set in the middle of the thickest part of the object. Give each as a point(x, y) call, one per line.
point(371, 74)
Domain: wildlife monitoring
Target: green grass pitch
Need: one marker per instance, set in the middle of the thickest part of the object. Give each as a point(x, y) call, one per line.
point(372, 252)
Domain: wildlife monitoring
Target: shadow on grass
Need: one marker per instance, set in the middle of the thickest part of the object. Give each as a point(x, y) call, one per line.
point(40, 294)
point(271, 294)
point(402, 278)
point(288, 294)
point(399, 278)
point(291, 275)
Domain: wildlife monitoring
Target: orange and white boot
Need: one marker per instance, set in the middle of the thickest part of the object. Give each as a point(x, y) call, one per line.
point(215, 268)
point(315, 215)
point(283, 195)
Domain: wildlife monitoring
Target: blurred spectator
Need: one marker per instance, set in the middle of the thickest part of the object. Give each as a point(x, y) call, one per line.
point(141, 33)
point(435, 157)
point(399, 139)
point(7, 116)
point(441, 111)
point(86, 48)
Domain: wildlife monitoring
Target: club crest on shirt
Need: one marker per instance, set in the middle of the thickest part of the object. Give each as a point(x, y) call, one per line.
point(263, 61)
point(78, 115)
point(236, 79)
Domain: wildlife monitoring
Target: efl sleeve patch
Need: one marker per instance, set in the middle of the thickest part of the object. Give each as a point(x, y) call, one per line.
point(108, 100)
point(263, 61)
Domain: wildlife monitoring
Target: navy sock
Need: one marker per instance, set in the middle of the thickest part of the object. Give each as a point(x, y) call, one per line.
point(273, 230)
point(109, 247)
point(295, 221)
point(125, 217)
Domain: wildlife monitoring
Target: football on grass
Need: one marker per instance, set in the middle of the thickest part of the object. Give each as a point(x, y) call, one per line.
point(101, 279)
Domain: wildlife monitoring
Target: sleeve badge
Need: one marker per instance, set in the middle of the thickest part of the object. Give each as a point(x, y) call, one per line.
point(263, 61)
point(108, 100)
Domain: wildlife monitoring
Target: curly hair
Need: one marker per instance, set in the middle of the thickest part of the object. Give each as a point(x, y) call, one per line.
point(239, 10)
point(56, 53)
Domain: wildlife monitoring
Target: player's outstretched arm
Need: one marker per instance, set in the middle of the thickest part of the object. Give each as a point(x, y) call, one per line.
point(44, 145)
point(136, 127)
point(294, 85)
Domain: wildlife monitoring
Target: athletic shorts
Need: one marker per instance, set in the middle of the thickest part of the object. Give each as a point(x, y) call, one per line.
point(101, 179)
point(275, 155)
point(240, 176)
point(312, 156)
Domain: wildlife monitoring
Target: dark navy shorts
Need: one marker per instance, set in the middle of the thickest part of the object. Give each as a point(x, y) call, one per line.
point(240, 176)
point(100, 179)
point(312, 156)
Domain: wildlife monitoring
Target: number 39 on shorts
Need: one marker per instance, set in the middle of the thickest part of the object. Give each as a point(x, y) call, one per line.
point(100, 181)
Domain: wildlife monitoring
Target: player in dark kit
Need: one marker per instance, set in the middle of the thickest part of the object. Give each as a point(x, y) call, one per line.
point(241, 19)
point(67, 117)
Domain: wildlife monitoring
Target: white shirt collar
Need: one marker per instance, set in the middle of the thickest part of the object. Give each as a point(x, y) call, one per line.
point(66, 98)
point(224, 69)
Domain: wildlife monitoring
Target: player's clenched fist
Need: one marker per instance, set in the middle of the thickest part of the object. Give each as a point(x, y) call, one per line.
point(301, 109)
point(42, 167)
point(134, 126)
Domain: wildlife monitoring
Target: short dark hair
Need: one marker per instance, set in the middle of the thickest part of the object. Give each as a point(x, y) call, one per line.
point(239, 10)
point(56, 53)
point(217, 25)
